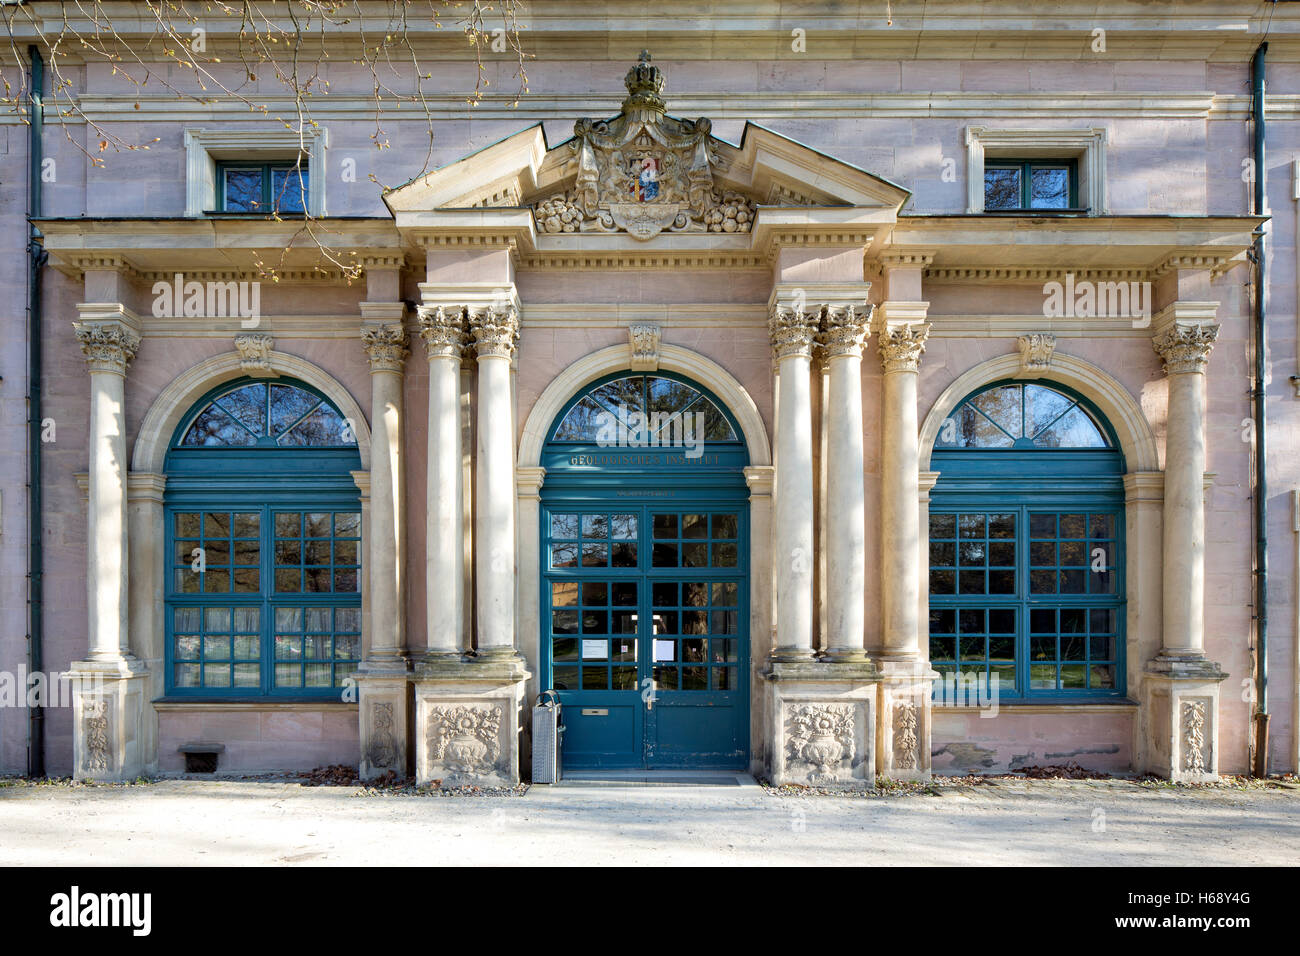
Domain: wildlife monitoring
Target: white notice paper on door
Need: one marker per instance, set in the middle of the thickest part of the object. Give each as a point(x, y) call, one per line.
point(594, 650)
point(665, 650)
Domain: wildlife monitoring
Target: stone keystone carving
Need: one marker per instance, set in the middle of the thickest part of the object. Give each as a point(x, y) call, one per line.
point(905, 739)
point(465, 739)
point(385, 346)
point(382, 751)
point(99, 755)
point(1036, 352)
point(843, 329)
point(107, 346)
point(444, 330)
point(1194, 736)
point(1185, 348)
point(645, 347)
point(821, 736)
point(901, 347)
point(793, 330)
point(254, 353)
point(644, 172)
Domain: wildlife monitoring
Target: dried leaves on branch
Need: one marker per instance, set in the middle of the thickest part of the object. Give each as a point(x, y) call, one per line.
point(270, 56)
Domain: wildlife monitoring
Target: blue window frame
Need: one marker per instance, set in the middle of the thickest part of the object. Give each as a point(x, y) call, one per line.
point(263, 585)
point(262, 187)
point(1026, 544)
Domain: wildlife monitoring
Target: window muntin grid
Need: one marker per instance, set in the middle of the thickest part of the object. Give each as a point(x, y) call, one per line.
point(1042, 625)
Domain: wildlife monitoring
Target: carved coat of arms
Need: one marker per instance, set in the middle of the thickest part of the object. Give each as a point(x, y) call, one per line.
point(644, 172)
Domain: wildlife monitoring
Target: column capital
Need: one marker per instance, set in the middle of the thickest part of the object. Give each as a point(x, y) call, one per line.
point(793, 330)
point(495, 329)
point(844, 330)
point(444, 330)
point(107, 346)
point(1185, 347)
point(385, 345)
point(901, 346)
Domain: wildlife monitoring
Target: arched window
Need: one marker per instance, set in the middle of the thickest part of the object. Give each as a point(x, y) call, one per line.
point(264, 543)
point(1027, 546)
point(652, 409)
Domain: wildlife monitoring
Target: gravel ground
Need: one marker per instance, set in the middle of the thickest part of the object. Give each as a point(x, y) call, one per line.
point(984, 821)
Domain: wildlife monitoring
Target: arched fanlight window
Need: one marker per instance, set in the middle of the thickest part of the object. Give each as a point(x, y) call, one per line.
point(1026, 529)
point(268, 414)
point(263, 544)
point(1022, 416)
point(648, 403)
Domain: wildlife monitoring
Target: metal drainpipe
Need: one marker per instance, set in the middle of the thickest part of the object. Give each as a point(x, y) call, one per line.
point(36, 257)
point(1260, 768)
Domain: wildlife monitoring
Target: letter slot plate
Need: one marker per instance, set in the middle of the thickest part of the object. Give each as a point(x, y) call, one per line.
point(595, 711)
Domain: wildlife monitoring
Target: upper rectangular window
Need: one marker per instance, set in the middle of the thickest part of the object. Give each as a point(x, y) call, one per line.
point(262, 187)
point(1015, 184)
point(1044, 170)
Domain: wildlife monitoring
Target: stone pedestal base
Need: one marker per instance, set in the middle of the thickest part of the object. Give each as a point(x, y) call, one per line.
point(822, 722)
point(382, 708)
point(467, 722)
point(903, 724)
point(108, 699)
point(1182, 719)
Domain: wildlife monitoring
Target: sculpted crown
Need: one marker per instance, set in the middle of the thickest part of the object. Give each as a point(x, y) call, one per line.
point(644, 83)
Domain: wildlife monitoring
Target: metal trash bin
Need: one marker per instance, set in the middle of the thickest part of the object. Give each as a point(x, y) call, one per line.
point(548, 738)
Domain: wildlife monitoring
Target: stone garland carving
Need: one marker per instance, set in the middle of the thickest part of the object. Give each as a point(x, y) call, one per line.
point(107, 346)
point(495, 330)
point(444, 330)
point(1036, 352)
point(645, 347)
point(1185, 348)
point(844, 329)
point(1194, 736)
point(382, 751)
point(385, 346)
point(821, 736)
point(464, 738)
point(99, 757)
point(905, 739)
point(793, 331)
point(644, 172)
point(901, 347)
point(254, 352)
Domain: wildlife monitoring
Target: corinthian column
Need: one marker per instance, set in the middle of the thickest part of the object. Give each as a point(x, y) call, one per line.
point(108, 686)
point(496, 331)
point(843, 332)
point(1185, 350)
point(1181, 716)
point(900, 566)
point(443, 330)
point(792, 331)
point(108, 348)
point(385, 346)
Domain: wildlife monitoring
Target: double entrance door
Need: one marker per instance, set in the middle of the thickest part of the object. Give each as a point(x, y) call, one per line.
point(645, 632)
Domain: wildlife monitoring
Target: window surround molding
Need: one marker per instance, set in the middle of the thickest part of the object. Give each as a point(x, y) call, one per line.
point(205, 147)
point(1086, 146)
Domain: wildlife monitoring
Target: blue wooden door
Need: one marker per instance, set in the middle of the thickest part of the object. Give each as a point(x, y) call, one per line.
point(645, 637)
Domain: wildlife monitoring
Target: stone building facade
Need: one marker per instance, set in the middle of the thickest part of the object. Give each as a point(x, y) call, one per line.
point(889, 418)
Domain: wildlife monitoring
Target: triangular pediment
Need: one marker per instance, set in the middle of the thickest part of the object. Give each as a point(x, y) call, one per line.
point(644, 173)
